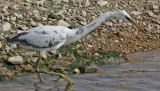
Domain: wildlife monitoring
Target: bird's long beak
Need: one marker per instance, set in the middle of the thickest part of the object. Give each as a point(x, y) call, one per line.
point(134, 23)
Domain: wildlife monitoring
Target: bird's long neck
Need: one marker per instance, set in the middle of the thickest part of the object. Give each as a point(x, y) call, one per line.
point(81, 31)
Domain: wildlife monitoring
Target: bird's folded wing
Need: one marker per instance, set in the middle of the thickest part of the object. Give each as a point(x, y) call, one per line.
point(37, 39)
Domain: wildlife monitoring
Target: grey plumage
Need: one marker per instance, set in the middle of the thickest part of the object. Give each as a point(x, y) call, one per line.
point(38, 37)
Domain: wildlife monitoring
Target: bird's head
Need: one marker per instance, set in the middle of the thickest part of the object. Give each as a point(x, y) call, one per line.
point(123, 15)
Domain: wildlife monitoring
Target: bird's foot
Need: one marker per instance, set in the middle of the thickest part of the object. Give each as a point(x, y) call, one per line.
point(58, 74)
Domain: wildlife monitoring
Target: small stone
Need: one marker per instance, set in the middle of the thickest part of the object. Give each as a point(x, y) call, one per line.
point(28, 54)
point(34, 59)
point(4, 9)
point(23, 27)
point(102, 3)
point(84, 13)
point(16, 60)
point(5, 26)
point(63, 23)
point(116, 41)
point(66, 1)
point(39, 2)
point(150, 13)
point(37, 17)
point(136, 13)
point(80, 18)
point(6, 48)
point(83, 23)
point(110, 24)
point(149, 28)
point(96, 54)
point(158, 31)
point(1, 37)
point(42, 9)
point(33, 23)
point(55, 16)
point(87, 3)
point(150, 6)
point(13, 19)
point(90, 46)
point(1, 44)
point(76, 71)
point(28, 1)
point(13, 6)
point(121, 34)
point(13, 46)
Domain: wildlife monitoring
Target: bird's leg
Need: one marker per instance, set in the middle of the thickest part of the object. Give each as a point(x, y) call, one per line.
point(50, 73)
point(37, 69)
point(58, 74)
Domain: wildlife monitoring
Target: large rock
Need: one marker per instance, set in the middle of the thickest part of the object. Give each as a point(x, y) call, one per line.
point(16, 60)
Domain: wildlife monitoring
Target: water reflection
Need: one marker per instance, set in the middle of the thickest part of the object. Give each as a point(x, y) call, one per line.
point(56, 86)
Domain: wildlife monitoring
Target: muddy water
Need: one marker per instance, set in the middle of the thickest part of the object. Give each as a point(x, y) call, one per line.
point(140, 72)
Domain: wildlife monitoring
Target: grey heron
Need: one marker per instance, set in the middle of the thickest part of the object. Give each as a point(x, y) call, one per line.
point(50, 38)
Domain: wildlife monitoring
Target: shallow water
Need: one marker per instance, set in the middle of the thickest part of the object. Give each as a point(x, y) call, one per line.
point(141, 72)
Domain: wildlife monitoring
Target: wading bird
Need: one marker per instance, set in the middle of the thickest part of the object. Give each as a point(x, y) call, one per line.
point(50, 38)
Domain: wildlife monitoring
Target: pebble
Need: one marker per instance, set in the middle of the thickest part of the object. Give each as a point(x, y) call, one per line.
point(63, 23)
point(110, 24)
point(87, 3)
point(76, 71)
point(13, 46)
point(84, 13)
point(23, 27)
point(5, 26)
point(90, 46)
point(115, 41)
point(1, 44)
point(33, 23)
point(96, 54)
point(80, 18)
point(16, 60)
point(102, 3)
point(83, 23)
point(42, 9)
point(37, 17)
point(13, 19)
point(55, 16)
point(13, 6)
point(4, 9)
point(122, 34)
point(1, 37)
point(34, 59)
point(150, 13)
point(28, 54)
point(136, 12)
point(66, 1)
point(158, 31)
point(28, 1)
point(39, 2)
point(149, 28)
point(6, 48)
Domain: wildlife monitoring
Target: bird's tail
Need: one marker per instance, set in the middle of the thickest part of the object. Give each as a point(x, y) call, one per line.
point(15, 37)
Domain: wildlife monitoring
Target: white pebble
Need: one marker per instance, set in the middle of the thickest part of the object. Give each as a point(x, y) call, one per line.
point(16, 60)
